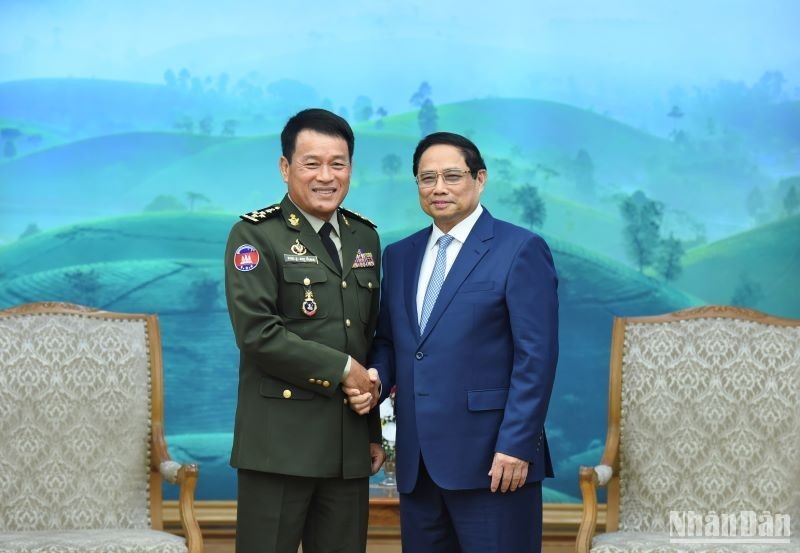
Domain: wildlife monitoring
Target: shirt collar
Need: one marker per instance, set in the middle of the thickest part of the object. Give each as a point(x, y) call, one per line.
point(461, 231)
point(315, 222)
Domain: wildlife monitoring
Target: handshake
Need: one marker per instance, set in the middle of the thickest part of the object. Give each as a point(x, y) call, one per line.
point(361, 387)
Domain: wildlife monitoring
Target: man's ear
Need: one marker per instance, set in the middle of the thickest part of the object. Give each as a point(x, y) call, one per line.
point(481, 178)
point(283, 166)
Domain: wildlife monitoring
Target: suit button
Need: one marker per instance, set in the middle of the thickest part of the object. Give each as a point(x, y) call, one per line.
point(326, 384)
point(344, 284)
point(419, 355)
point(287, 394)
point(347, 323)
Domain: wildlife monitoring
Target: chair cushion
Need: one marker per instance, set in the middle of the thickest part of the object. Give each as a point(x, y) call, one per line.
point(92, 541)
point(641, 542)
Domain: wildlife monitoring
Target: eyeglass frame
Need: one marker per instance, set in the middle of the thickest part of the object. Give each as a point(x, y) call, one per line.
point(442, 174)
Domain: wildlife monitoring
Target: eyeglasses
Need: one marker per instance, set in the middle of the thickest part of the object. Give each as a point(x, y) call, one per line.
point(451, 177)
point(336, 166)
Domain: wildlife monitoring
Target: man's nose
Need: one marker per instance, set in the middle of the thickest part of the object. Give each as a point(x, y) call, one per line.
point(325, 173)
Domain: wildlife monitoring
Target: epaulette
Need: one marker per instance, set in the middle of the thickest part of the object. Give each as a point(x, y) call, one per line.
point(262, 214)
point(357, 216)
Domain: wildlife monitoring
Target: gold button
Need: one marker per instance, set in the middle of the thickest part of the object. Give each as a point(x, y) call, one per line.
point(318, 381)
point(287, 394)
point(344, 284)
point(345, 401)
point(369, 285)
point(347, 323)
point(311, 380)
point(306, 281)
point(326, 384)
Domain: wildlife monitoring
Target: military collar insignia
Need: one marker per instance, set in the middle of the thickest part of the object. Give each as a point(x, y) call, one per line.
point(298, 248)
point(260, 215)
point(357, 216)
point(294, 220)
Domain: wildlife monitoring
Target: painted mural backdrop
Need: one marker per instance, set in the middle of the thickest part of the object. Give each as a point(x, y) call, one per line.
point(657, 150)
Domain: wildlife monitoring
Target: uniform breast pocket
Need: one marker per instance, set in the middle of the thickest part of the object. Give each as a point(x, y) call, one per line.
point(301, 291)
point(367, 287)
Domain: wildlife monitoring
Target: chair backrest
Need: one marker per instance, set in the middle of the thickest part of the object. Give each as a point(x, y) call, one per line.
point(75, 418)
point(709, 415)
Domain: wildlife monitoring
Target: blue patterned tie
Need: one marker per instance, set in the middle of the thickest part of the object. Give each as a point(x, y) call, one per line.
point(436, 281)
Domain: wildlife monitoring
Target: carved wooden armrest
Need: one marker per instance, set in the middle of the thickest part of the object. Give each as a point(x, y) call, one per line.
point(589, 479)
point(185, 476)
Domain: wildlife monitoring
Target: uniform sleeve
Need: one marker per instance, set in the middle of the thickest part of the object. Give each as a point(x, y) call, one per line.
point(259, 330)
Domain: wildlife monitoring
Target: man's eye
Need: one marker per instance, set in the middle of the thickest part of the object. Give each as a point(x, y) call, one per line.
point(428, 178)
point(453, 177)
point(311, 166)
point(338, 166)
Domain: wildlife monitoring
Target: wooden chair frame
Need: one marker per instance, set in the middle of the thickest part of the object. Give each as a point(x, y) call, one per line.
point(159, 455)
point(588, 476)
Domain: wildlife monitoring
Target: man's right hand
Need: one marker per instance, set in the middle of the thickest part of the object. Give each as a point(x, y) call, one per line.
point(362, 388)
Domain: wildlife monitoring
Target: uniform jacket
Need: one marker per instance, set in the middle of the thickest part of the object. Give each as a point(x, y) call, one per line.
point(479, 379)
point(291, 417)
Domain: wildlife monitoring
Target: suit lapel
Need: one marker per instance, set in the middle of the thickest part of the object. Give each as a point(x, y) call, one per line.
point(471, 253)
point(411, 275)
point(308, 237)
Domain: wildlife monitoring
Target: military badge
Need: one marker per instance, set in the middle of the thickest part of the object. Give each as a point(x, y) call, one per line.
point(363, 259)
point(309, 304)
point(294, 220)
point(246, 258)
point(298, 248)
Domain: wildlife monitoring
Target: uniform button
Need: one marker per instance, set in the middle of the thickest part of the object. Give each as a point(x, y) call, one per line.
point(369, 285)
point(344, 401)
point(344, 284)
point(419, 355)
point(287, 394)
point(347, 323)
point(318, 381)
point(307, 281)
point(311, 380)
point(326, 384)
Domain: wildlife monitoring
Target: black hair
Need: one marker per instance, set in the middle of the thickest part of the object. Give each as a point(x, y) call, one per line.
point(472, 156)
point(318, 120)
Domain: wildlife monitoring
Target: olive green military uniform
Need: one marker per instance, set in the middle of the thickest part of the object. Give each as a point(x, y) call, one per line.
point(296, 319)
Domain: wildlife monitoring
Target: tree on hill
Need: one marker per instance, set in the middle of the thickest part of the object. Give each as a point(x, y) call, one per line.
point(391, 165)
point(170, 78)
point(427, 118)
point(165, 202)
point(642, 218)
point(380, 113)
point(747, 292)
point(10, 135)
point(229, 127)
point(196, 197)
point(185, 124)
point(584, 174)
point(183, 78)
point(362, 109)
point(206, 125)
point(527, 199)
point(423, 93)
point(31, 230)
point(791, 201)
point(668, 261)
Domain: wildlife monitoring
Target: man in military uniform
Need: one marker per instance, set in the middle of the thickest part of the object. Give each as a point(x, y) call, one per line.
point(301, 280)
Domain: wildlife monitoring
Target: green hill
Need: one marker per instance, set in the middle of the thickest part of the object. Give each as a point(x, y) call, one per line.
point(767, 257)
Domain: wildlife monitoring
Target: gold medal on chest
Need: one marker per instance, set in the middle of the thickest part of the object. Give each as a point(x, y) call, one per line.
point(298, 248)
point(309, 305)
point(294, 220)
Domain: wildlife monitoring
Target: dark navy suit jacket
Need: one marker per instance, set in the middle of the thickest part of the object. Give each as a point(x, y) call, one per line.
point(479, 379)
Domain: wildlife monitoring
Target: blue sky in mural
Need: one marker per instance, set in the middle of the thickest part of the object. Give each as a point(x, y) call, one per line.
point(132, 133)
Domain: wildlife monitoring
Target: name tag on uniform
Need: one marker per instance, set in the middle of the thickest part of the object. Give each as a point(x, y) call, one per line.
point(289, 258)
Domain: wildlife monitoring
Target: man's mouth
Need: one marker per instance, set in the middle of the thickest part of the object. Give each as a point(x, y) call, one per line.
point(440, 203)
point(324, 191)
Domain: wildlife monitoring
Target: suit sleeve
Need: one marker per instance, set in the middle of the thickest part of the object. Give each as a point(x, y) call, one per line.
point(259, 330)
point(531, 296)
point(381, 354)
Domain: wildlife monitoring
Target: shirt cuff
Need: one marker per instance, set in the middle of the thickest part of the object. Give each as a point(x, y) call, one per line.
point(346, 370)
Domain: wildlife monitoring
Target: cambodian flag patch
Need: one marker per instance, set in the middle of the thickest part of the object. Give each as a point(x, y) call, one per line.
point(246, 258)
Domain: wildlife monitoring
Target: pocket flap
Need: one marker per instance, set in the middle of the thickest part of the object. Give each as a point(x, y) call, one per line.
point(476, 286)
point(300, 274)
point(271, 387)
point(366, 278)
point(486, 400)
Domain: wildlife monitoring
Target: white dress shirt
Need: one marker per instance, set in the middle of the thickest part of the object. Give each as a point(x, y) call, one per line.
point(460, 232)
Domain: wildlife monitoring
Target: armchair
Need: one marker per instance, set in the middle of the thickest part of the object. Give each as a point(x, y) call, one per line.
point(82, 450)
point(704, 420)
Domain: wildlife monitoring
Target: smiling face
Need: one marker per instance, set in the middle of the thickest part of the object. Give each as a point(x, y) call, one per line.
point(449, 204)
point(318, 176)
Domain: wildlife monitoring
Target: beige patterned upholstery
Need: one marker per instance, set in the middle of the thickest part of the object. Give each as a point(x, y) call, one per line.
point(75, 424)
point(708, 421)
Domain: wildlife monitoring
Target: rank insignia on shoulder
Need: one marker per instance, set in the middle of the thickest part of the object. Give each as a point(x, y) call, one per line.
point(363, 259)
point(357, 216)
point(260, 215)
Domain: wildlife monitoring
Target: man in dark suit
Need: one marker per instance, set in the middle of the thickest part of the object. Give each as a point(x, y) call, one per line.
point(468, 332)
point(301, 280)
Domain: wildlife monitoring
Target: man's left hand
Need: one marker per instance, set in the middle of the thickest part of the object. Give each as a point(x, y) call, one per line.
point(377, 455)
point(507, 472)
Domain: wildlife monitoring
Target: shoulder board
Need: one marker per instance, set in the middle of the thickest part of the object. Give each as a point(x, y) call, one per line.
point(263, 214)
point(357, 216)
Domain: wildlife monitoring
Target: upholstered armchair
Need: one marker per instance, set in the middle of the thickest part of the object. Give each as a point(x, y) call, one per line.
point(704, 419)
point(82, 450)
